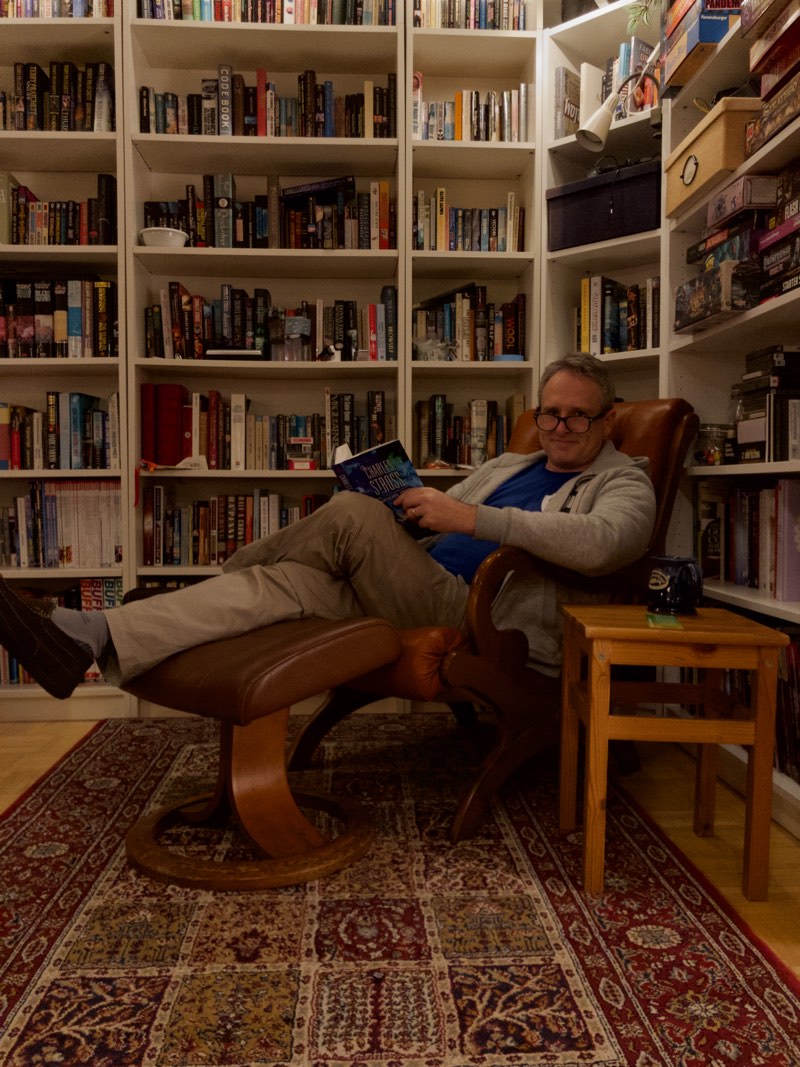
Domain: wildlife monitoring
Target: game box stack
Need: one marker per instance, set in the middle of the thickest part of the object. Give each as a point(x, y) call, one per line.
point(692, 29)
point(780, 247)
point(775, 64)
point(737, 219)
point(715, 295)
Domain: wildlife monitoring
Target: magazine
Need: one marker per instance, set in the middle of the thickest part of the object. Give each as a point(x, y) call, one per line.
point(384, 471)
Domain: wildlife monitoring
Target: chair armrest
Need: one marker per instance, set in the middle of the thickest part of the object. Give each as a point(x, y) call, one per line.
point(624, 584)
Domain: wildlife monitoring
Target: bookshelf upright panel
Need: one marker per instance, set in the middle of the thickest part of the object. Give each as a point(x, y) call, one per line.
point(66, 477)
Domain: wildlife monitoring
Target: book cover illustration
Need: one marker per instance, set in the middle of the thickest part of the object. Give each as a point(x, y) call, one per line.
point(383, 472)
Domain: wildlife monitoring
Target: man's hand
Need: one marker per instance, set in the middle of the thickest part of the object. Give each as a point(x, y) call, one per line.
point(434, 510)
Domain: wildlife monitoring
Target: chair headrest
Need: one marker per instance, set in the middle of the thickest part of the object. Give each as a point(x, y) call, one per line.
point(638, 428)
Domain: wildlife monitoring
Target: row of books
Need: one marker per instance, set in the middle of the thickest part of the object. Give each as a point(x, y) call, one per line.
point(206, 531)
point(68, 96)
point(617, 316)
point(185, 325)
point(74, 431)
point(745, 534)
point(228, 106)
point(439, 226)
point(577, 93)
point(63, 524)
point(56, 9)
point(89, 594)
point(477, 15)
point(284, 12)
point(330, 213)
point(231, 434)
point(494, 115)
point(25, 219)
point(445, 436)
point(73, 318)
point(463, 324)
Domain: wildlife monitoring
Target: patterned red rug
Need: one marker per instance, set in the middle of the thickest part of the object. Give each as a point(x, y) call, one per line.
point(420, 955)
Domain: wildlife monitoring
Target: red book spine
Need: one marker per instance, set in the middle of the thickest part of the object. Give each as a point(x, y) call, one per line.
point(148, 421)
point(170, 400)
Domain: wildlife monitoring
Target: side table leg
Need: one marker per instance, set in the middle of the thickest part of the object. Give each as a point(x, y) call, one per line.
point(758, 801)
point(596, 783)
point(568, 770)
point(705, 786)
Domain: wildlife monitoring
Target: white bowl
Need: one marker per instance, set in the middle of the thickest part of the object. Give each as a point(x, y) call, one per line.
point(163, 236)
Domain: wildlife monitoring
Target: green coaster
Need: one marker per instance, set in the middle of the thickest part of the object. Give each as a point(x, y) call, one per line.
point(664, 622)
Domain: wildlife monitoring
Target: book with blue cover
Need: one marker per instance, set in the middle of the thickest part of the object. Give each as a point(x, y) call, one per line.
point(384, 472)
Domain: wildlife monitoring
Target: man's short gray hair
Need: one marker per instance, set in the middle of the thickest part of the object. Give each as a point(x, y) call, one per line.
point(589, 367)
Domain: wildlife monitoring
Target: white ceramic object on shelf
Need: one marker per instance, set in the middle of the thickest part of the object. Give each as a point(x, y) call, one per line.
point(163, 236)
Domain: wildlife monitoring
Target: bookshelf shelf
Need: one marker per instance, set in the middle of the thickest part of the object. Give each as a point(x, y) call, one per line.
point(90, 38)
point(491, 265)
point(632, 251)
point(39, 473)
point(597, 31)
point(194, 45)
point(87, 257)
point(67, 152)
point(434, 368)
point(55, 577)
point(742, 332)
point(265, 370)
point(293, 263)
point(495, 160)
point(452, 53)
point(234, 480)
point(752, 600)
point(627, 138)
point(320, 156)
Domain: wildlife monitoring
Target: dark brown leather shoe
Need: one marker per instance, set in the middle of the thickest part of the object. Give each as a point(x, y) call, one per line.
point(27, 633)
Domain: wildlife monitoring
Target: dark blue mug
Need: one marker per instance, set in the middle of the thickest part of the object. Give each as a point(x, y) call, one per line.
point(675, 585)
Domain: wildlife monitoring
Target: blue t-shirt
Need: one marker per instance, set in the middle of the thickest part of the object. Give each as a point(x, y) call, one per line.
point(462, 554)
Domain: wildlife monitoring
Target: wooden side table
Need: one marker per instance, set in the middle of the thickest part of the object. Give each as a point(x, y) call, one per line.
point(599, 636)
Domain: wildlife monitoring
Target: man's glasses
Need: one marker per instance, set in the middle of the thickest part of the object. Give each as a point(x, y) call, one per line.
point(548, 422)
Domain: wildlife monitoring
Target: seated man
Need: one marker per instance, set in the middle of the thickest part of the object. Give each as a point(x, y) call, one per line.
point(577, 503)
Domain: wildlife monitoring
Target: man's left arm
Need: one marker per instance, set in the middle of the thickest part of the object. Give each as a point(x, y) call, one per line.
point(609, 529)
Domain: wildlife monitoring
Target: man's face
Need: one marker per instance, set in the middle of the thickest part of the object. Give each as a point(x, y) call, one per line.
point(571, 394)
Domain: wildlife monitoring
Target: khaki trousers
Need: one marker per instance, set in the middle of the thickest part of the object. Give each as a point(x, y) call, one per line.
point(348, 559)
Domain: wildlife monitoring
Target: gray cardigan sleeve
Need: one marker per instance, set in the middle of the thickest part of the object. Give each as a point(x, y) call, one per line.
point(597, 522)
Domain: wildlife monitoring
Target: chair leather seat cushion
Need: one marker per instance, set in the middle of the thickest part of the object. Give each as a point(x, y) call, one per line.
point(240, 679)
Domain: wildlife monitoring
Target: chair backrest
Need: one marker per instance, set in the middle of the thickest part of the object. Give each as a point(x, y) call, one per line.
point(661, 430)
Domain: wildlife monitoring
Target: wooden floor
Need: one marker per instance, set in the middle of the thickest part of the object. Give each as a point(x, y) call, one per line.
point(664, 787)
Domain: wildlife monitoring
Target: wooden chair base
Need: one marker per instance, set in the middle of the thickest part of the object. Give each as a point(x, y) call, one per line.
point(148, 856)
point(253, 788)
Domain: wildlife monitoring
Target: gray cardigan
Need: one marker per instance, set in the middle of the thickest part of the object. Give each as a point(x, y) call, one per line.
point(597, 522)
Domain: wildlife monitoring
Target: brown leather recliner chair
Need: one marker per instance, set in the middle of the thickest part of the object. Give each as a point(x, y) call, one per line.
point(486, 666)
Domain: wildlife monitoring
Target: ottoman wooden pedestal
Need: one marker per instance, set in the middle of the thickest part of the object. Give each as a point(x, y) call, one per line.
point(249, 683)
point(596, 637)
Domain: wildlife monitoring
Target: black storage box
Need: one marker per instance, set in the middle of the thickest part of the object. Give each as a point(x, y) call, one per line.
point(619, 202)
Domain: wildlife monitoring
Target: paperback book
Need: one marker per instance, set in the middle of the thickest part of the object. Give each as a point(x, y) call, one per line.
point(383, 472)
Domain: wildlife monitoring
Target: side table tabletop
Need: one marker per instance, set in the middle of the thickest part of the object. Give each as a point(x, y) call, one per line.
point(600, 636)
